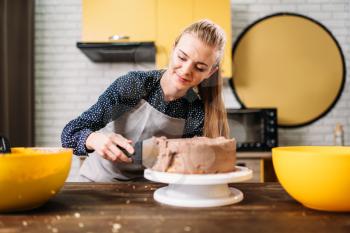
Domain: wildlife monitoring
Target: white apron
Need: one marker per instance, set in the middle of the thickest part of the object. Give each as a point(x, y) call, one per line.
point(142, 122)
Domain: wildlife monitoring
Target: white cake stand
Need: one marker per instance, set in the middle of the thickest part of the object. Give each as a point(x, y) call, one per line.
point(207, 190)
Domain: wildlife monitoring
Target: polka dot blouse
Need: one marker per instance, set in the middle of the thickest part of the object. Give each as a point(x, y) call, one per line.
point(123, 95)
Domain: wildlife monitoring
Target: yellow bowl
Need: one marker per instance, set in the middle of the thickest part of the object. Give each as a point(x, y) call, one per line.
point(29, 177)
point(316, 176)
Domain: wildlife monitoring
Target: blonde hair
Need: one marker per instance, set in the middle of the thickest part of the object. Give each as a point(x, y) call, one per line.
point(215, 119)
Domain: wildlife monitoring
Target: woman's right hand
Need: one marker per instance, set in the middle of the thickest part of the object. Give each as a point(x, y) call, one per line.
point(107, 146)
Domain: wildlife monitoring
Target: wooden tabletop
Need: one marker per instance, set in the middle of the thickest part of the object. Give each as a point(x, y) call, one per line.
point(129, 207)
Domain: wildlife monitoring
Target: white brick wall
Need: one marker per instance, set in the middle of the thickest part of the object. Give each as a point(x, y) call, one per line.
point(67, 82)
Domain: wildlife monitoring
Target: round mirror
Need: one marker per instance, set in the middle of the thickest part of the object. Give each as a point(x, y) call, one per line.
point(290, 62)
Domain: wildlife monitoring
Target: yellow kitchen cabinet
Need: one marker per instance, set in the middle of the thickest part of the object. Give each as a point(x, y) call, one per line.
point(173, 16)
point(219, 12)
point(105, 18)
point(154, 20)
point(261, 164)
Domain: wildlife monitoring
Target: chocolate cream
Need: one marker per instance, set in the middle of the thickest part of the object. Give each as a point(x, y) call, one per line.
point(198, 155)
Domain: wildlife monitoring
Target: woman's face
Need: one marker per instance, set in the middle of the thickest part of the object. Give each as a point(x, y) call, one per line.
point(192, 61)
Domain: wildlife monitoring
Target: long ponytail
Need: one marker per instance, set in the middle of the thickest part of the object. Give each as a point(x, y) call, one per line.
point(215, 120)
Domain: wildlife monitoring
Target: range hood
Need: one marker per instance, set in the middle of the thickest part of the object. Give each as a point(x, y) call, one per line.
point(119, 51)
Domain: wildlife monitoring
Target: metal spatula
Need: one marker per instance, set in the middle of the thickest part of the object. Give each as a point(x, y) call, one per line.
point(5, 146)
point(146, 152)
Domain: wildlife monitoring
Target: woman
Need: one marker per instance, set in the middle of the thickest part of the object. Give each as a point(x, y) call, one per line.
point(182, 101)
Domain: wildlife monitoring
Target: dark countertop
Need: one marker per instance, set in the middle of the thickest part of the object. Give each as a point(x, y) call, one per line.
point(129, 207)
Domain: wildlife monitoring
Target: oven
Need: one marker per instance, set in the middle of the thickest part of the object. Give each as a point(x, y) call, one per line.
point(255, 129)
